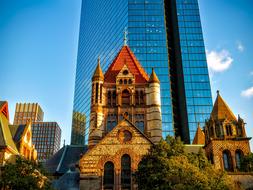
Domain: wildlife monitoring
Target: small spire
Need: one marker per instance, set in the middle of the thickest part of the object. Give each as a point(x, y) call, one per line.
point(99, 60)
point(153, 77)
point(125, 37)
point(218, 92)
point(64, 142)
point(98, 71)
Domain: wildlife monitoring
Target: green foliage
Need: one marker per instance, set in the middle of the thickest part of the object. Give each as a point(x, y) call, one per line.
point(168, 167)
point(23, 175)
point(247, 163)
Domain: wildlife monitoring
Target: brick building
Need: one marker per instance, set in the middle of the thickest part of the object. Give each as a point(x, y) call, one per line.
point(125, 122)
point(224, 137)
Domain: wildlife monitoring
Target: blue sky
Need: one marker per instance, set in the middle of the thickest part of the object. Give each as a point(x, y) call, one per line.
point(38, 50)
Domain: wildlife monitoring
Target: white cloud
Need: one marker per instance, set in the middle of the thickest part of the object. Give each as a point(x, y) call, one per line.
point(247, 93)
point(219, 61)
point(240, 46)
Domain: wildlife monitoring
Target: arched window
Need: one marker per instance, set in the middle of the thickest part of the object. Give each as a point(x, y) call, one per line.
point(111, 122)
point(140, 125)
point(109, 96)
point(114, 98)
point(211, 131)
point(130, 81)
point(92, 95)
point(108, 175)
point(101, 94)
point(239, 130)
point(137, 97)
point(120, 81)
point(227, 160)
point(125, 97)
point(217, 131)
point(238, 158)
point(125, 81)
point(229, 130)
point(126, 172)
point(141, 97)
point(96, 95)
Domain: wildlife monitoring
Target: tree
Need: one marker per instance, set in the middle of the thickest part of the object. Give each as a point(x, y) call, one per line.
point(167, 166)
point(247, 163)
point(23, 175)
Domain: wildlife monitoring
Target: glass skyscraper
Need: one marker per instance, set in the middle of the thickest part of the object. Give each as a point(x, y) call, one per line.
point(164, 35)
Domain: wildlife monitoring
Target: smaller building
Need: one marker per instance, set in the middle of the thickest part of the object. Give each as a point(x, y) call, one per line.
point(78, 129)
point(46, 135)
point(15, 140)
point(27, 111)
point(47, 139)
point(224, 137)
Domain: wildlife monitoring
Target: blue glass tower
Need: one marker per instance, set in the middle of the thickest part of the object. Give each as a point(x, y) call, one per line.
point(164, 35)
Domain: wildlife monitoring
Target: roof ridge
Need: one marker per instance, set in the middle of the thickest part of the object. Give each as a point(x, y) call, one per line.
point(62, 157)
point(133, 64)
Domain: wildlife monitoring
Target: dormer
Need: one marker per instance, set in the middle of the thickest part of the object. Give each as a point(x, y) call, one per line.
point(125, 77)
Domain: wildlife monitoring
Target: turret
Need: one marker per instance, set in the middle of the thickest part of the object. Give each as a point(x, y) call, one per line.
point(154, 120)
point(97, 100)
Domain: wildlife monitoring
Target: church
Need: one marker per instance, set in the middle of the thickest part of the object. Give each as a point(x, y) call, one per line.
point(125, 122)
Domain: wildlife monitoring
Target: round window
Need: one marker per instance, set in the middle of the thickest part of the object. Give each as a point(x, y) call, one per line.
point(124, 136)
point(125, 72)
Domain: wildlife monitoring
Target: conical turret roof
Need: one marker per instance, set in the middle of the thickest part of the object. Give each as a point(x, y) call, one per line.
point(221, 110)
point(153, 77)
point(98, 71)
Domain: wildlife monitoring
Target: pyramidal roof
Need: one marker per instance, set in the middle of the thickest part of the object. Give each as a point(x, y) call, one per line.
point(221, 110)
point(199, 137)
point(126, 57)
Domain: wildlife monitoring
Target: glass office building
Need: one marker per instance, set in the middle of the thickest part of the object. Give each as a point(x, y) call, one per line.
point(47, 139)
point(164, 35)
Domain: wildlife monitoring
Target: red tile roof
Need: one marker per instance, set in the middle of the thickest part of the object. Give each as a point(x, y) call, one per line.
point(126, 57)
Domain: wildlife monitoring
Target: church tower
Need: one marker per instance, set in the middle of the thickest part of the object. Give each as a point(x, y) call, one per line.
point(125, 122)
point(96, 116)
point(225, 137)
point(154, 123)
point(125, 91)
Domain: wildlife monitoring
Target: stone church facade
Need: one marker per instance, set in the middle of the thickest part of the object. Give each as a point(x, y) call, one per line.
point(125, 122)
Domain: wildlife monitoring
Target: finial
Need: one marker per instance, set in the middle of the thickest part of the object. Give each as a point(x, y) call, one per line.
point(125, 37)
point(218, 92)
point(98, 59)
point(64, 142)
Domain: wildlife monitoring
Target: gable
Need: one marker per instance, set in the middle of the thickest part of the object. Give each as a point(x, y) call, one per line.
point(5, 135)
point(126, 57)
point(123, 73)
point(125, 138)
point(4, 109)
